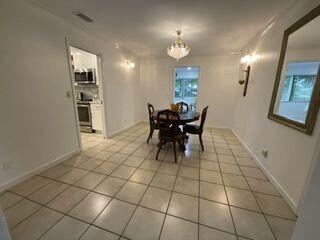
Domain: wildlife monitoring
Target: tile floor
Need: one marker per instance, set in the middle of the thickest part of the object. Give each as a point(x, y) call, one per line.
point(115, 189)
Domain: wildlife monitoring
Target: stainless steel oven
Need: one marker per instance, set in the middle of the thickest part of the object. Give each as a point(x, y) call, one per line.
point(85, 76)
point(85, 119)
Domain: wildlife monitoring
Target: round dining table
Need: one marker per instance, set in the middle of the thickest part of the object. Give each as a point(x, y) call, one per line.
point(185, 117)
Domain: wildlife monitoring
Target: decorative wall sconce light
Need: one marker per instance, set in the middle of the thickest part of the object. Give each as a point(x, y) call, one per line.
point(245, 61)
point(128, 64)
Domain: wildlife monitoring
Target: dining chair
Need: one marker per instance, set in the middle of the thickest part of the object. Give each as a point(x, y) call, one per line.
point(169, 130)
point(183, 107)
point(195, 129)
point(153, 124)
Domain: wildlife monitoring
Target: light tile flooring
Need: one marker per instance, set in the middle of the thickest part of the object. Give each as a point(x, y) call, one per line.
point(115, 189)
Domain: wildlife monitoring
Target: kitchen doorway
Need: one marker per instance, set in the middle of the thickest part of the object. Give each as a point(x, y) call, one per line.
point(186, 85)
point(87, 86)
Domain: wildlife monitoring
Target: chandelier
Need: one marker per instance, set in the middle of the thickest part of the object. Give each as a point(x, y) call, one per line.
point(178, 49)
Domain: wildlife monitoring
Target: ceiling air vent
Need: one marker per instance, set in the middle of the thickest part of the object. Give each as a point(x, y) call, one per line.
point(84, 17)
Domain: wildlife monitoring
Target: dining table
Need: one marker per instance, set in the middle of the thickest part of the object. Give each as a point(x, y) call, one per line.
point(184, 117)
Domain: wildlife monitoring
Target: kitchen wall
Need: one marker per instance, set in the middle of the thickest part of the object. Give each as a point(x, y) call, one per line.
point(38, 124)
point(217, 84)
point(290, 151)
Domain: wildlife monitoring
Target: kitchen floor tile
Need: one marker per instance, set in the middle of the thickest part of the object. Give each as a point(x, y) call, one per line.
point(206, 233)
point(134, 161)
point(274, 206)
point(251, 225)
point(19, 212)
point(123, 172)
point(164, 181)
point(66, 200)
point(157, 199)
point(73, 175)
point(8, 199)
point(184, 206)
point(282, 228)
point(131, 192)
point(151, 165)
point(142, 176)
point(110, 186)
point(187, 186)
point(90, 181)
point(189, 172)
point(66, 229)
point(30, 186)
point(56, 171)
point(213, 192)
point(94, 233)
point(230, 168)
point(106, 168)
point(253, 172)
point(48, 192)
point(179, 229)
point(209, 165)
point(262, 186)
point(235, 181)
point(145, 224)
point(90, 207)
point(222, 218)
point(242, 198)
point(90, 164)
point(210, 176)
point(36, 225)
point(115, 216)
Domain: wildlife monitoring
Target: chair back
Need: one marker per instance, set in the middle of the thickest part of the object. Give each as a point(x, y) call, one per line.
point(183, 107)
point(168, 122)
point(151, 111)
point(203, 117)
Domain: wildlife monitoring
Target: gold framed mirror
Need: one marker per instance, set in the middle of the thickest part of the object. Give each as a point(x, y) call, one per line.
point(296, 93)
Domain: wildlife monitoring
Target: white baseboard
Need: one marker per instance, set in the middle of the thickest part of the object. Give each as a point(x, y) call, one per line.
point(37, 170)
point(276, 184)
point(123, 129)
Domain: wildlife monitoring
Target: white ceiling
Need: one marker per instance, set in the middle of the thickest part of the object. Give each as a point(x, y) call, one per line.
point(147, 27)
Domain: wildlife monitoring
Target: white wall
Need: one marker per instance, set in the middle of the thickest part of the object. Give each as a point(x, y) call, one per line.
point(37, 123)
point(218, 82)
point(307, 226)
point(290, 151)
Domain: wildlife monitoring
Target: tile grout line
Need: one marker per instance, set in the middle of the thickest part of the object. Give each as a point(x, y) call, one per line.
point(254, 195)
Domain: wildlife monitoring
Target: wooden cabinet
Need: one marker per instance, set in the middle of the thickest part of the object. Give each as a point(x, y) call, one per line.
point(96, 116)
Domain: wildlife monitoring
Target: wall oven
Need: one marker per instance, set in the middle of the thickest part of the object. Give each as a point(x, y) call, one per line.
point(85, 75)
point(85, 119)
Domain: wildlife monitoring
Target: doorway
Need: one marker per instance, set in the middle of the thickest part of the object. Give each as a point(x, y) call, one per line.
point(186, 85)
point(86, 79)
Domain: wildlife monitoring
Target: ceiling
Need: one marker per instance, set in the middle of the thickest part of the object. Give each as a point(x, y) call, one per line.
point(147, 27)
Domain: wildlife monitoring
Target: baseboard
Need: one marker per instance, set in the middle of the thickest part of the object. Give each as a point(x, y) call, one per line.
point(276, 184)
point(111, 135)
point(37, 170)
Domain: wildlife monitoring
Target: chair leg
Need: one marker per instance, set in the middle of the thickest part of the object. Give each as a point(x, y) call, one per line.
point(159, 148)
point(200, 138)
point(150, 134)
point(174, 151)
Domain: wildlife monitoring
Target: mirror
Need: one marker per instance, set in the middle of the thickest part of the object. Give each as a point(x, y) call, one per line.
point(296, 93)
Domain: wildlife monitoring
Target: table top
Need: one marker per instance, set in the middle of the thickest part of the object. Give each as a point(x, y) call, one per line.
point(185, 117)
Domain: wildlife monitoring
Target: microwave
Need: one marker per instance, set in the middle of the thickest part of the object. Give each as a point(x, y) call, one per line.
point(85, 75)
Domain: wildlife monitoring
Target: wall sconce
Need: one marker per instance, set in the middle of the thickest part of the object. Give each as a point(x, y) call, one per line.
point(246, 60)
point(128, 64)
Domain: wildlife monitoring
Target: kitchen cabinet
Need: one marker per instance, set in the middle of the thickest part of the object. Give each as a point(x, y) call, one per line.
point(96, 116)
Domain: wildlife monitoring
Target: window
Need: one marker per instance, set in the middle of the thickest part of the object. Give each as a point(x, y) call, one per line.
point(186, 85)
point(298, 88)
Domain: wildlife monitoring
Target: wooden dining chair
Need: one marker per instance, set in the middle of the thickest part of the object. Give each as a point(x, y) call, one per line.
point(183, 107)
point(153, 124)
point(169, 130)
point(195, 129)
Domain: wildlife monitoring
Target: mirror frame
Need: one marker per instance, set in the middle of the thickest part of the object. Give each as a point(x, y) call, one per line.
point(308, 126)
